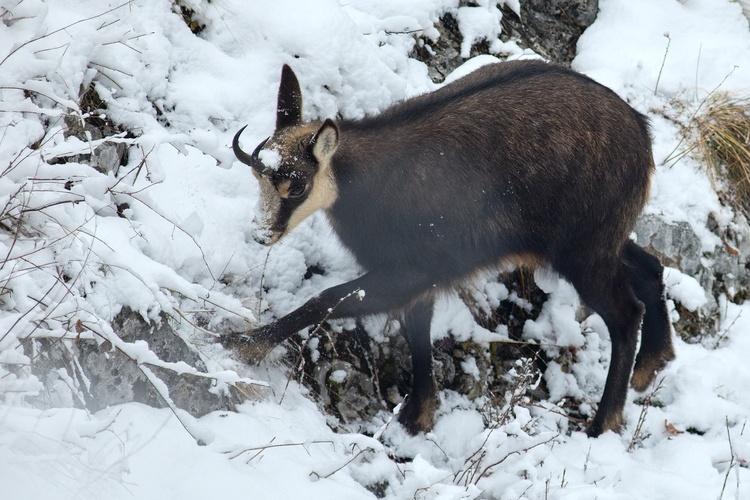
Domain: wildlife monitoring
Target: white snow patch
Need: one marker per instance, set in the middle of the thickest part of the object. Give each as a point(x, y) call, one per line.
point(270, 158)
point(684, 289)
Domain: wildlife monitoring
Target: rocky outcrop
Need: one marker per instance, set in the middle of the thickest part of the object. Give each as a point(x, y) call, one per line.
point(551, 29)
point(106, 376)
point(108, 155)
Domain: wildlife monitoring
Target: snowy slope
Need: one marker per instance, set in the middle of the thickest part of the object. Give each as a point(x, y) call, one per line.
point(183, 245)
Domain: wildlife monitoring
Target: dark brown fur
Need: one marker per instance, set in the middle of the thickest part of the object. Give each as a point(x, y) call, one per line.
point(516, 159)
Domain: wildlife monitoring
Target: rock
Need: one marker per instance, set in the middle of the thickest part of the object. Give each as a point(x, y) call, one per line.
point(443, 55)
point(94, 126)
point(108, 156)
point(551, 29)
point(108, 377)
point(676, 244)
point(724, 270)
point(114, 378)
point(443, 367)
point(350, 391)
point(727, 267)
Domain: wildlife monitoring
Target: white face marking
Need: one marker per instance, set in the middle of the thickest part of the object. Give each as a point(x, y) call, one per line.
point(266, 212)
point(322, 196)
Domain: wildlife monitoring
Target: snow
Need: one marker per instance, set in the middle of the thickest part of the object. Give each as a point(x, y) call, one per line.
point(270, 158)
point(478, 24)
point(183, 243)
point(684, 289)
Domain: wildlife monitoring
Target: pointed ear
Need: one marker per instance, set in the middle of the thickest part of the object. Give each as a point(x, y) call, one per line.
point(289, 105)
point(325, 142)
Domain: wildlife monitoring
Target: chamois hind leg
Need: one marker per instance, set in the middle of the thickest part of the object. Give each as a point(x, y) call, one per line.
point(645, 273)
point(605, 287)
point(418, 412)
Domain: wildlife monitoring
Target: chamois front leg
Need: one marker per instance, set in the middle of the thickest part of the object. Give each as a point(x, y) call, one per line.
point(381, 291)
point(418, 412)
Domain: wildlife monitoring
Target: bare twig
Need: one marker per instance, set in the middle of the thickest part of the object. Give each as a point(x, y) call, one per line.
point(663, 61)
point(637, 438)
point(731, 459)
point(725, 333)
point(262, 277)
point(174, 225)
point(517, 452)
point(317, 329)
point(237, 453)
point(470, 472)
point(40, 37)
point(360, 452)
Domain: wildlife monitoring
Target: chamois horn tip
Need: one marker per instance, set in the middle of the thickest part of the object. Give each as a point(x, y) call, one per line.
point(241, 155)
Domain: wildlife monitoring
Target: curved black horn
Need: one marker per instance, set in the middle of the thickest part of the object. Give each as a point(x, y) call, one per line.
point(245, 158)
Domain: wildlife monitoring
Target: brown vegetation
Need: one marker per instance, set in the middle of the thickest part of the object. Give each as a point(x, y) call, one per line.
point(722, 137)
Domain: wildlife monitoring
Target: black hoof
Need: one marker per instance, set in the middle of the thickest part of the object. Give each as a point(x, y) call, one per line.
point(250, 347)
point(417, 414)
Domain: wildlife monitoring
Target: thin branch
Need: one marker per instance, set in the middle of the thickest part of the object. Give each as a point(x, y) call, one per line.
point(175, 225)
point(236, 453)
point(637, 439)
point(517, 452)
point(345, 464)
point(663, 61)
point(731, 459)
point(35, 39)
point(317, 329)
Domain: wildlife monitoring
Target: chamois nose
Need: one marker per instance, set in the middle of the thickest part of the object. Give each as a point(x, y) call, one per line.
point(264, 236)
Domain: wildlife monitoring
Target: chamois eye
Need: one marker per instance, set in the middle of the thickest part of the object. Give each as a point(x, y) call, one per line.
point(297, 191)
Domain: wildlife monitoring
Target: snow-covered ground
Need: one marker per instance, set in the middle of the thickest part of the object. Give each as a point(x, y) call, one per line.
point(182, 244)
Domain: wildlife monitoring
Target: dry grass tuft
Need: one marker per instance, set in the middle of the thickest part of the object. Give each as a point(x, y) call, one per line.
point(722, 138)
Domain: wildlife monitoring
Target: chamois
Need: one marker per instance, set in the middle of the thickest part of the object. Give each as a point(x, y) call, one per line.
point(523, 162)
